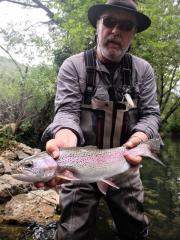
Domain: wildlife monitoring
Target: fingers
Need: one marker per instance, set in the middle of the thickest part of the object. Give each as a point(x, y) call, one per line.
point(52, 147)
point(66, 138)
point(133, 160)
point(39, 184)
point(63, 138)
point(133, 141)
point(50, 184)
point(53, 183)
point(136, 139)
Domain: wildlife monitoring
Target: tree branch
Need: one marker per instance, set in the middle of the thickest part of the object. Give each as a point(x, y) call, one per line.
point(173, 108)
point(168, 92)
point(20, 3)
point(35, 4)
point(45, 8)
point(14, 61)
point(161, 88)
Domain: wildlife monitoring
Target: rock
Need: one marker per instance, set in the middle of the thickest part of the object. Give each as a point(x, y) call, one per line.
point(19, 151)
point(2, 168)
point(10, 155)
point(6, 163)
point(37, 206)
point(45, 232)
point(21, 155)
point(10, 186)
point(28, 150)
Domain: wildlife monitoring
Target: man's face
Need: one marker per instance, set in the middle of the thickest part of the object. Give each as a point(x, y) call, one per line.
point(115, 31)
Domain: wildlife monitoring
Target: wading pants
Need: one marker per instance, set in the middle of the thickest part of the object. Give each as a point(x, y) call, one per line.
point(79, 203)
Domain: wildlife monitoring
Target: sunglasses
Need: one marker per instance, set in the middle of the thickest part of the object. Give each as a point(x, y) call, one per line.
point(124, 25)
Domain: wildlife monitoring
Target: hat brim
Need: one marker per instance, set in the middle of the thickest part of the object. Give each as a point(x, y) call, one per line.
point(143, 21)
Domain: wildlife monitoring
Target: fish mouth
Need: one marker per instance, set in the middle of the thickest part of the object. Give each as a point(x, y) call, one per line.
point(20, 177)
point(21, 174)
point(15, 171)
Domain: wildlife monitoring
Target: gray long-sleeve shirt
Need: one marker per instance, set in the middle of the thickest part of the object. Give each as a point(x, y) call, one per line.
point(71, 85)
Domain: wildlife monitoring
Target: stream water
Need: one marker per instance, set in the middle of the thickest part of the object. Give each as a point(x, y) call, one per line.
point(162, 203)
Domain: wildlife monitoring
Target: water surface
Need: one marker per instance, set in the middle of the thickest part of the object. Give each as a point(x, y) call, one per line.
point(162, 201)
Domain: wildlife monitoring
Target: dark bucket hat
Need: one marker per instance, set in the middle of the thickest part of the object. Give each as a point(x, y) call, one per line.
point(143, 21)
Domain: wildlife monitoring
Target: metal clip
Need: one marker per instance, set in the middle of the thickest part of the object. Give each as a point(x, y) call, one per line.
point(129, 100)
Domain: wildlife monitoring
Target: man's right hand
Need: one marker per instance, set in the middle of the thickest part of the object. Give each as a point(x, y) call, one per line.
point(63, 138)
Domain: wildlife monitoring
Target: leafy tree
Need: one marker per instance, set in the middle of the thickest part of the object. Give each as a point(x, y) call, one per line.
point(24, 93)
point(160, 46)
point(71, 33)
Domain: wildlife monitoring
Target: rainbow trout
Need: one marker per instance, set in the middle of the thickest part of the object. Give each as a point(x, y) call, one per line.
point(84, 164)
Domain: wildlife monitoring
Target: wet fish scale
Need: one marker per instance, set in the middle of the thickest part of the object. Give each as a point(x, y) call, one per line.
point(82, 164)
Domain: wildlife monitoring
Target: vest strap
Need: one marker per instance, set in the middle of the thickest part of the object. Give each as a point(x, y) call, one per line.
point(90, 62)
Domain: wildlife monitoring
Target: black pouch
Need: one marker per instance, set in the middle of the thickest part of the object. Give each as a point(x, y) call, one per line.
point(130, 119)
point(92, 125)
point(96, 123)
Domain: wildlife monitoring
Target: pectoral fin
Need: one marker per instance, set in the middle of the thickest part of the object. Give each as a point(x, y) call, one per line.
point(67, 175)
point(104, 184)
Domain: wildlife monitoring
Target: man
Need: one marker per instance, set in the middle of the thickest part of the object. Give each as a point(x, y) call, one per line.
point(116, 23)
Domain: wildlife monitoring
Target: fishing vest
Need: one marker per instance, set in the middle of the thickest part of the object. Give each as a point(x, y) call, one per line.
point(108, 124)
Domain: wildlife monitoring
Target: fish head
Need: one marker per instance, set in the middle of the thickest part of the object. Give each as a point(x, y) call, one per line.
point(35, 169)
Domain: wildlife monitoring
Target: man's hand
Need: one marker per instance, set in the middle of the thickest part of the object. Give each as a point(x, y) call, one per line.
point(133, 141)
point(63, 138)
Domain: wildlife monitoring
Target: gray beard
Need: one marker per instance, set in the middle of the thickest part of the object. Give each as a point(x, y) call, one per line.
point(115, 58)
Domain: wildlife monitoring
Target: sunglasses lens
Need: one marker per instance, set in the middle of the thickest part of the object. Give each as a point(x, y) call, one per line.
point(124, 25)
point(109, 22)
point(127, 25)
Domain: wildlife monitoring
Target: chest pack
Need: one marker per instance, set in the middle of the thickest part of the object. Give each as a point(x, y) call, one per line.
point(108, 124)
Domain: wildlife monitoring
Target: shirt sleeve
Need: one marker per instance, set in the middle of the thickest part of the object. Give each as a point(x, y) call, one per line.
point(67, 103)
point(148, 106)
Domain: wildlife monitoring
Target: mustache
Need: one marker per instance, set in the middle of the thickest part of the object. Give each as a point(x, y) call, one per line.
point(113, 39)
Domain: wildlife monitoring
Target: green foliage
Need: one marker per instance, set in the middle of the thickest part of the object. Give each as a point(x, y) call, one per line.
point(6, 66)
point(6, 136)
point(72, 34)
point(61, 55)
point(159, 44)
point(23, 97)
point(41, 83)
point(77, 32)
point(173, 128)
point(161, 47)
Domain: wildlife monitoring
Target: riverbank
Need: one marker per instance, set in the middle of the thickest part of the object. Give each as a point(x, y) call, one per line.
point(22, 202)
point(162, 203)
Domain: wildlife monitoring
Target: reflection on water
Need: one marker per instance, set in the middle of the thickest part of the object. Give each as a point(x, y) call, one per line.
point(162, 188)
point(162, 194)
point(162, 200)
point(10, 232)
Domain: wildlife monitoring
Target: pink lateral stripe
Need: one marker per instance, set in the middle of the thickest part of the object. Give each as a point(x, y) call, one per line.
point(98, 159)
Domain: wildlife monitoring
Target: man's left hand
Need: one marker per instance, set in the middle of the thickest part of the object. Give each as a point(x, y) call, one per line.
point(133, 141)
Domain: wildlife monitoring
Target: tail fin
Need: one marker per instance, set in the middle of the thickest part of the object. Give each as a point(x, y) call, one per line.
point(154, 148)
point(149, 148)
point(154, 145)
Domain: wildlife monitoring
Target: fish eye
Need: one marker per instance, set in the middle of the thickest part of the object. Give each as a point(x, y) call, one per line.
point(28, 164)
